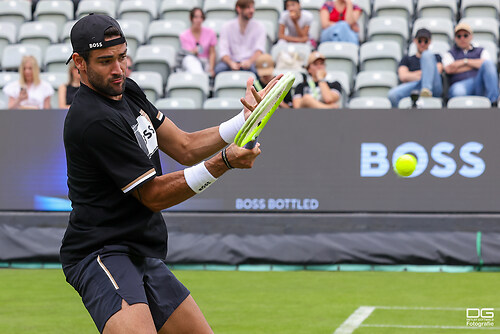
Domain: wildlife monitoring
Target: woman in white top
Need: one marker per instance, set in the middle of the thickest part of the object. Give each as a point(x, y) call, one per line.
point(29, 92)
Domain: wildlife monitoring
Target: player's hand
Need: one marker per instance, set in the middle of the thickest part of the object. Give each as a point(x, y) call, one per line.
point(253, 98)
point(240, 157)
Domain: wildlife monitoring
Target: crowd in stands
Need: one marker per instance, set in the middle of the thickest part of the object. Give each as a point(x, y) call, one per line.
point(249, 43)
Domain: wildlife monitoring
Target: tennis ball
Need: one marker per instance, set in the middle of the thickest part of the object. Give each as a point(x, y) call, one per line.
point(405, 165)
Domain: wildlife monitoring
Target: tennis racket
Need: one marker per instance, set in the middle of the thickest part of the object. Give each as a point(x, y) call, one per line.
point(247, 136)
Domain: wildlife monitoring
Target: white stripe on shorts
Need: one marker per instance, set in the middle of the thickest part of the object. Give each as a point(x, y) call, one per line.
point(107, 272)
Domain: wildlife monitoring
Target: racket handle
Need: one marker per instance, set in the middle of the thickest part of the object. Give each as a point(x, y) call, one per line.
point(251, 144)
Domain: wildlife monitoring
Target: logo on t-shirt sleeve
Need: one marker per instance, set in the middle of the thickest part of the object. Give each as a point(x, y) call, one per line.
point(145, 134)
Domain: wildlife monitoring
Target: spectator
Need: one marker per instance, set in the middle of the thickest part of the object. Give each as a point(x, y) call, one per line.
point(130, 66)
point(339, 21)
point(469, 68)
point(296, 21)
point(421, 71)
point(316, 92)
point(265, 68)
point(66, 92)
point(200, 42)
point(241, 41)
point(29, 92)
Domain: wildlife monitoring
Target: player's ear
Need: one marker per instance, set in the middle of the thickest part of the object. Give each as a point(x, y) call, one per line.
point(80, 63)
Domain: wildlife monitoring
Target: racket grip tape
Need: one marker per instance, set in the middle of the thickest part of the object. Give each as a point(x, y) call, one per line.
point(251, 144)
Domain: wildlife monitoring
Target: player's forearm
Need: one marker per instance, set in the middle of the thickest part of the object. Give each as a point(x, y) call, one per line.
point(202, 144)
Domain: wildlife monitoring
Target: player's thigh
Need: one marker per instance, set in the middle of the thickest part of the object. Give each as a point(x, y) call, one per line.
point(187, 318)
point(131, 319)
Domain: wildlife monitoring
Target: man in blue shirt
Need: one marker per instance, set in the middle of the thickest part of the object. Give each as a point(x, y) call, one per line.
point(421, 71)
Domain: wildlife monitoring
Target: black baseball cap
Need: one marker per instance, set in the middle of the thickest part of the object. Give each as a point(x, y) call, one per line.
point(88, 33)
point(423, 33)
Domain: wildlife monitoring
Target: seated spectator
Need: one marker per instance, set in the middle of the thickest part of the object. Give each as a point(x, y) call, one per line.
point(421, 71)
point(470, 69)
point(339, 21)
point(199, 43)
point(315, 91)
point(296, 21)
point(67, 91)
point(265, 73)
point(29, 92)
point(241, 40)
point(130, 66)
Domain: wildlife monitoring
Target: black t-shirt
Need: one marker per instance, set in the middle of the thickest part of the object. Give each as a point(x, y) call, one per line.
point(111, 148)
point(413, 62)
point(70, 93)
point(304, 88)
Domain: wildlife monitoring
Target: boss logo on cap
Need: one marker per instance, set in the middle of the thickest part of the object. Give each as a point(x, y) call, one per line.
point(95, 45)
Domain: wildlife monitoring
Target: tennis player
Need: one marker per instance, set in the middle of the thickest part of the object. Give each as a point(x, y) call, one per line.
point(116, 238)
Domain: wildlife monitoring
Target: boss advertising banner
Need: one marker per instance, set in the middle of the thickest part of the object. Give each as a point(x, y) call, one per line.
point(311, 161)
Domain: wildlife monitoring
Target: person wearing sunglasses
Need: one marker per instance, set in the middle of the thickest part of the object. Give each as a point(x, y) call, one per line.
point(421, 71)
point(469, 68)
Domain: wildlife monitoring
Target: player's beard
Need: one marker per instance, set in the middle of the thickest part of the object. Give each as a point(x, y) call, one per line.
point(104, 86)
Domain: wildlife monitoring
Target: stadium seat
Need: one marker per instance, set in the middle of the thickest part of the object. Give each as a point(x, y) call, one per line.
point(269, 10)
point(219, 9)
point(272, 36)
point(150, 82)
point(175, 103)
point(56, 56)
point(177, 10)
point(468, 102)
point(5, 78)
point(379, 56)
point(8, 34)
point(399, 8)
point(299, 75)
point(55, 79)
point(231, 83)
point(441, 28)
point(222, 103)
point(86, 7)
point(489, 46)
point(370, 103)
point(155, 58)
point(437, 9)
point(314, 7)
point(57, 11)
point(134, 32)
point(66, 31)
point(365, 6)
point(387, 28)
point(166, 32)
point(480, 8)
point(143, 11)
point(484, 28)
point(341, 56)
point(41, 33)
point(194, 86)
point(301, 49)
point(374, 83)
point(15, 11)
point(13, 53)
point(214, 24)
point(422, 103)
point(439, 47)
point(3, 103)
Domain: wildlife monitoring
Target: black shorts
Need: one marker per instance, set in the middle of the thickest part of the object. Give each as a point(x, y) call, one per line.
point(111, 274)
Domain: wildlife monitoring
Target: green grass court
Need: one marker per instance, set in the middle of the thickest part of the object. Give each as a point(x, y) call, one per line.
point(40, 301)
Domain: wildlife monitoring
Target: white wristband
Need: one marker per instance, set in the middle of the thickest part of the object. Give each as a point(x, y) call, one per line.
point(230, 128)
point(198, 177)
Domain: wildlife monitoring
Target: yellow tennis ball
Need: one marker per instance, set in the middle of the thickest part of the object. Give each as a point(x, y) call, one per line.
point(405, 165)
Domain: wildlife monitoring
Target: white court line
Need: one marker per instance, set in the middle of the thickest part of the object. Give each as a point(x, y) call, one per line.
point(355, 320)
point(430, 327)
point(421, 308)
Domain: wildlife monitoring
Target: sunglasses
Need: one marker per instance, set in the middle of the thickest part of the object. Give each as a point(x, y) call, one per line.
point(423, 40)
point(461, 35)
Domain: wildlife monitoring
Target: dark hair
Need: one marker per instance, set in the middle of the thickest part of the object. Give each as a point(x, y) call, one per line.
point(244, 3)
point(193, 11)
point(110, 32)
